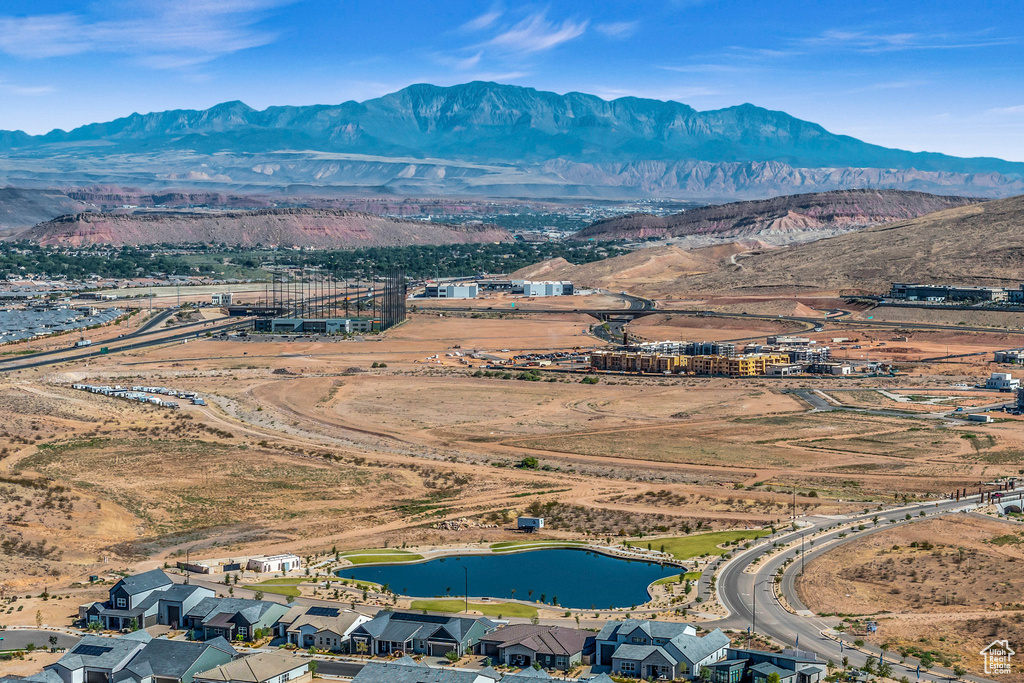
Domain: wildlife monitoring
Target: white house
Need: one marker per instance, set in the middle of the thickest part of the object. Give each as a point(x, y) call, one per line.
point(274, 563)
point(1002, 381)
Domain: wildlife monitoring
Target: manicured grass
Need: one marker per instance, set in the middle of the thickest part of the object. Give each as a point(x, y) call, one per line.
point(376, 551)
point(289, 581)
point(279, 590)
point(389, 557)
point(689, 576)
point(507, 609)
point(506, 546)
point(685, 547)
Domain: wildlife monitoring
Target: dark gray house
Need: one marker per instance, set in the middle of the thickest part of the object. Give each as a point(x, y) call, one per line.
point(411, 632)
point(756, 666)
point(146, 599)
point(233, 618)
point(659, 649)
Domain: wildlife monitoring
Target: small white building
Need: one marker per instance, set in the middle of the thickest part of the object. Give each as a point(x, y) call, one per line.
point(274, 563)
point(1003, 381)
point(784, 369)
point(530, 523)
point(222, 298)
point(1014, 356)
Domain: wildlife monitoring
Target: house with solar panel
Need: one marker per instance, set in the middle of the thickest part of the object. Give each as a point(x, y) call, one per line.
point(325, 628)
point(144, 600)
point(233, 618)
point(139, 658)
point(434, 635)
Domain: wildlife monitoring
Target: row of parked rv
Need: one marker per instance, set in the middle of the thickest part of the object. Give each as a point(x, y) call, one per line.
point(142, 394)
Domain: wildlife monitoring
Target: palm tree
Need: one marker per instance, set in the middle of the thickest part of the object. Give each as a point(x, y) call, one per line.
point(885, 670)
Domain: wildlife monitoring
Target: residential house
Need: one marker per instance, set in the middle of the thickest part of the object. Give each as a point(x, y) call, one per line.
point(412, 632)
point(757, 666)
point(325, 628)
point(95, 659)
point(174, 661)
point(553, 647)
point(262, 667)
point(405, 670)
point(666, 650)
point(44, 676)
point(233, 618)
point(144, 600)
point(138, 658)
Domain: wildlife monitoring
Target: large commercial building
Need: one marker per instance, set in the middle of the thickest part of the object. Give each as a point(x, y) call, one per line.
point(547, 288)
point(452, 291)
point(748, 365)
point(314, 325)
point(919, 292)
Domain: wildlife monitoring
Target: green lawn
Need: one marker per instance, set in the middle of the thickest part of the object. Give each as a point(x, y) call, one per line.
point(689, 576)
point(278, 590)
point(374, 555)
point(390, 557)
point(290, 581)
point(507, 609)
point(685, 547)
point(506, 546)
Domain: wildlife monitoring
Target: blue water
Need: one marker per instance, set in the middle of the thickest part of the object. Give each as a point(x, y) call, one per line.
point(577, 578)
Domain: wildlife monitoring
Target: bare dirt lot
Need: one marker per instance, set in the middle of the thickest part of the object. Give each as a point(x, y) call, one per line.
point(948, 586)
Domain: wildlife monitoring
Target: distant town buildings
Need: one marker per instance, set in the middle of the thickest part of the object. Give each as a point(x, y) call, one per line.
point(938, 293)
point(1011, 356)
point(470, 290)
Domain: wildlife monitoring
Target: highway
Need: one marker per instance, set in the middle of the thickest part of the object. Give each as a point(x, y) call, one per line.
point(741, 576)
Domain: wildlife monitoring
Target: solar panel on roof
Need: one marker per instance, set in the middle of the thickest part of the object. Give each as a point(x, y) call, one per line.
point(323, 611)
point(425, 618)
point(92, 650)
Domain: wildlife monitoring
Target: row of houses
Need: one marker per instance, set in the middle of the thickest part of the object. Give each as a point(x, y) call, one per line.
point(19, 325)
point(140, 658)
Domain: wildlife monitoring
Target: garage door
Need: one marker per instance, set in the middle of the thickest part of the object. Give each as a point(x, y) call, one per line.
point(439, 649)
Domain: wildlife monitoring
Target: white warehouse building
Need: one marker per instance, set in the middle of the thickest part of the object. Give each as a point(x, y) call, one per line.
point(546, 288)
point(460, 291)
point(274, 563)
point(1002, 381)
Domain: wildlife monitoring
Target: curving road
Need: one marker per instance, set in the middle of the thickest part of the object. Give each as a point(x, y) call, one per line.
point(757, 567)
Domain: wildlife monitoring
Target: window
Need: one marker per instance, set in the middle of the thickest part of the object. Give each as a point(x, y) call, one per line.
point(242, 630)
point(638, 639)
point(627, 667)
point(121, 602)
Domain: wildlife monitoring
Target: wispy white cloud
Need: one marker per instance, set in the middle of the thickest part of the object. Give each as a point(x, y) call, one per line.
point(536, 33)
point(873, 41)
point(703, 68)
point(485, 20)
point(618, 29)
point(26, 90)
point(1016, 109)
point(163, 35)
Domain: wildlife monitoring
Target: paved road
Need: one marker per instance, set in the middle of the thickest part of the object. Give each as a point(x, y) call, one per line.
point(736, 587)
point(18, 639)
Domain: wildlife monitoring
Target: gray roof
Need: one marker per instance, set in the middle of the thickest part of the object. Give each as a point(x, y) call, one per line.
point(44, 676)
point(528, 675)
point(170, 658)
point(766, 669)
point(400, 627)
point(399, 672)
point(695, 648)
point(639, 653)
point(251, 610)
point(99, 653)
point(654, 629)
point(146, 581)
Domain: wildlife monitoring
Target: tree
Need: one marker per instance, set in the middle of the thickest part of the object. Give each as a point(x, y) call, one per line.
point(258, 595)
point(313, 665)
point(927, 661)
point(289, 599)
point(134, 625)
point(830, 666)
point(885, 670)
point(452, 656)
point(39, 619)
point(960, 670)
point(705, 673)
point(774, 677)
point(846, 662)
point(362, 648)
point(53, 642)
point(869, 665)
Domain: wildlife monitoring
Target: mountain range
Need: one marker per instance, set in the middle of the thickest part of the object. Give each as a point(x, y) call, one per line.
point(487, 139)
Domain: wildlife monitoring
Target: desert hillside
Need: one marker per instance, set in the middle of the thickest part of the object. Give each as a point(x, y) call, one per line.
point(646, 272)
point(22, 208)
point(283, 227)
point(976, 244)
point(781, 220)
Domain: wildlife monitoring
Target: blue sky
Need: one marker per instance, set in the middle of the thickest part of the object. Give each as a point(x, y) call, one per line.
point(938, 75)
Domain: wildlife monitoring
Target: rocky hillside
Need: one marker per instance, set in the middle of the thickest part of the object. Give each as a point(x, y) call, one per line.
point(20, 209)
point(976, 244)
point(281, 227)
point(780, 220)
point(490, 139)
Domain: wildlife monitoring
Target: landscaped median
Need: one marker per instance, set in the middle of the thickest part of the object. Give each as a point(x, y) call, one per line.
point(675, 578)
point(488, 609)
